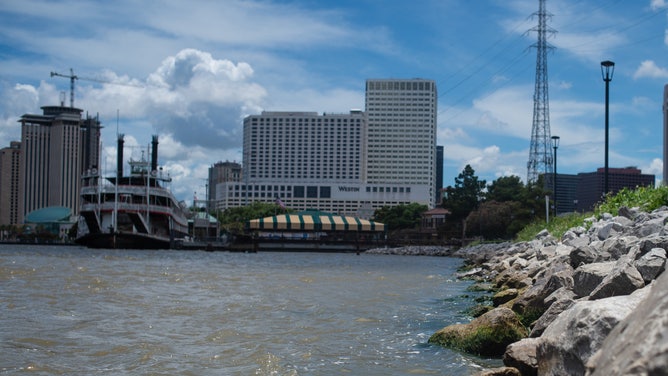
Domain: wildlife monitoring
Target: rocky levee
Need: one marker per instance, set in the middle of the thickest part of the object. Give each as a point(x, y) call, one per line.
point(594, 302)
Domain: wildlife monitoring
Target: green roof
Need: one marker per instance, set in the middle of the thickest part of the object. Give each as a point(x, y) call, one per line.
point(49, 215)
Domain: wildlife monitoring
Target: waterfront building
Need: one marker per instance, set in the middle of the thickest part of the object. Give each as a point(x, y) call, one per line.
point(56, 147)
point(350, 164)
point(591, 185)
point(9, 184)
point(581, 192)
point(221, 172)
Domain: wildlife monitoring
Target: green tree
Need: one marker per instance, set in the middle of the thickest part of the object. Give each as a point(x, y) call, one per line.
point(462, 199)
point(234, 219)
point(400, 217)
point(465, 196)
point(510, 206)
point(506, 188)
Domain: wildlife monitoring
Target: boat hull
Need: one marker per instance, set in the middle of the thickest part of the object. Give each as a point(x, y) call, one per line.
point(124, 240)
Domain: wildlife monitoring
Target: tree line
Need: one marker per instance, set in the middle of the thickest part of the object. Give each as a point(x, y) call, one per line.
point(498, 210)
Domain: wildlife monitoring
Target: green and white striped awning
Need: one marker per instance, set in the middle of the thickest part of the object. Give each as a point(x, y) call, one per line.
point(314, 221)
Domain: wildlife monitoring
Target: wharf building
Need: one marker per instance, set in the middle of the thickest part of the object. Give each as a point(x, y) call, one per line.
point(350, 164)
point(56, 147)
point(581, 192)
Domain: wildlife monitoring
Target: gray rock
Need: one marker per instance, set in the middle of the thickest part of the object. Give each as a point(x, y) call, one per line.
point(522, 355)
point(500, 371)
point(587, 277)
point(649, 243)
point(623, 279)
point(638, 345)
point(558, 302)
point(551, 279)
point(651, 264)
point(652, 226)
point(619, 246)
point(576, 334)
point(583, 254)
point(628, 213)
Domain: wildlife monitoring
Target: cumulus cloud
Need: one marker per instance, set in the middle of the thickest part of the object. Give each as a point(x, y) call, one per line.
point(649, 69)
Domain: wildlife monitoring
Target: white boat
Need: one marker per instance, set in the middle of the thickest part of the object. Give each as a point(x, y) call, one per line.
point(131, 212)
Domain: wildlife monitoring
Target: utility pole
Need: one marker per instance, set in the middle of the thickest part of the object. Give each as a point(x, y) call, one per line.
point(540, 156)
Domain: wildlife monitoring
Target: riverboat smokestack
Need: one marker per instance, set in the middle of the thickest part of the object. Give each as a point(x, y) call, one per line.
point(119, 158)
point(154, 154)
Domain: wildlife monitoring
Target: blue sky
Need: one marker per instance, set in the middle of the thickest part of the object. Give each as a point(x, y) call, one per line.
point(190, 71)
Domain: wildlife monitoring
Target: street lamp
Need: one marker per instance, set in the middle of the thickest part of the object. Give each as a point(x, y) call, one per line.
point(607, 70)
point(555, 145)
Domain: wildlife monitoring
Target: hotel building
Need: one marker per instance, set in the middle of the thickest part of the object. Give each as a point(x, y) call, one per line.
point(350, 164)
point(55, 148)
point(9, 184)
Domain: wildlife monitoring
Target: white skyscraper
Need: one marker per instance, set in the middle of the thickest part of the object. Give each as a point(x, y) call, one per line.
point(401, 132)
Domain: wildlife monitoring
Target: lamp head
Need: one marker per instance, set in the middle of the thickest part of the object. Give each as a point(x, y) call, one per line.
point(555, 141)
point(607, 70)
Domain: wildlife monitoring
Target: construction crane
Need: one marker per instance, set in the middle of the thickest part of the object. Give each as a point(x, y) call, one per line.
point(74, 77)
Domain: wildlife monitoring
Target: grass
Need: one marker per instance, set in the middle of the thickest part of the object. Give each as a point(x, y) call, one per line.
point(645, 198)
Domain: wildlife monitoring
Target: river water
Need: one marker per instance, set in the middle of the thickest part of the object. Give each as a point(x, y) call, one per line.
point(74, 311)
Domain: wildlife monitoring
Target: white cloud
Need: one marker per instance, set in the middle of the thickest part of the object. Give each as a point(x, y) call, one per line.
point(649, 69)
point(658, 4)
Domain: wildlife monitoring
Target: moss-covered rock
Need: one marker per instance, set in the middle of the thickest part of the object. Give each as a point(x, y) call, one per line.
point(487, 335)
point(504, 296)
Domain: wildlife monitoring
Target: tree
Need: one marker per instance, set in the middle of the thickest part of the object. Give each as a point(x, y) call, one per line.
point(509, 207)
point(400, 217)
point(234, 219)
point(465, 196)
point(505, 188)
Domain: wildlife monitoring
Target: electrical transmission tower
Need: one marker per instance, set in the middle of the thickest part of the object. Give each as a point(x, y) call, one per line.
point(540, 155)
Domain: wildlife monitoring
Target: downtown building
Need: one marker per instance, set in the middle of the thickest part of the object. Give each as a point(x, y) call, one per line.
point(581, 192)
point(9, 184)
point(349, 164)
point(56, 147)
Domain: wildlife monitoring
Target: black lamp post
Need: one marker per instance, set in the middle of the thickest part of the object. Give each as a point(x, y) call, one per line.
point(607, 70)
point(555, 145)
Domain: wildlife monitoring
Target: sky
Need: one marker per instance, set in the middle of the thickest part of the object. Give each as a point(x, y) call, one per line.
point(190, 71)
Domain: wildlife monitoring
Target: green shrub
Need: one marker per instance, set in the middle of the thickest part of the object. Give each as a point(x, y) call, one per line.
point(645, 198)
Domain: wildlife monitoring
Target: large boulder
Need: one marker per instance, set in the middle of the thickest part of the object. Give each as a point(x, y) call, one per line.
point(575, 335)
point(588, 276)
point(522, 355)
point(559, 301)
point(638, 345)
point(623, 279)
point(554, 277)
point(651, 264)
point(487, 335)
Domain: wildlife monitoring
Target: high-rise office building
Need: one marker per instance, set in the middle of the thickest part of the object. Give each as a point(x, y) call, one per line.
point(56, 147)
point(351, 163)
point(9, 184)
point(401, 132)
point(591, 185)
